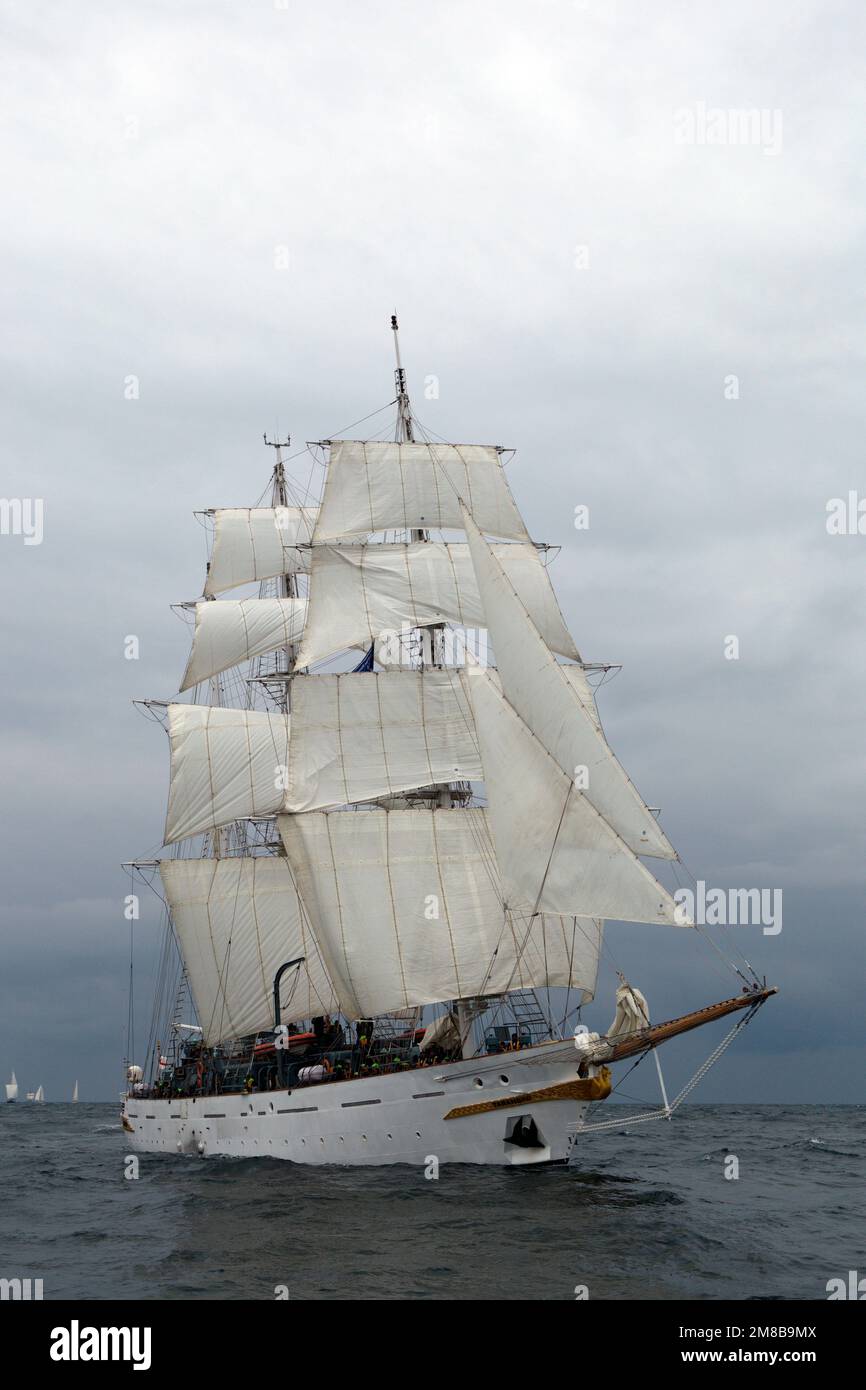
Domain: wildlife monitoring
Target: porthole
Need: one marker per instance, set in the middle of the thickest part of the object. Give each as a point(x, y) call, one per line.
point(478, 1082)
point(504, 1080)
point(417, 1134)
point(390, 1136)
point(364, 1138)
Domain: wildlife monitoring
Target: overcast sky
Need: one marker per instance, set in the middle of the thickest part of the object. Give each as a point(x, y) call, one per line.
point(607, 265)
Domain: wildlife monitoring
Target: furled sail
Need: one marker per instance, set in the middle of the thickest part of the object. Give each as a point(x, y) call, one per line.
point(359, 592)
point(238, 920)
point(407, 909)
point(255, 543)
point(353, 738)
point(556, 852)
point(233, 631)
point(561, 716)
point(386, 486)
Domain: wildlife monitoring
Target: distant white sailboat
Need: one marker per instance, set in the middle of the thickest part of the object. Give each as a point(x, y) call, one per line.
point(37, 1095)
point(75, 1094)
point(11, 1090)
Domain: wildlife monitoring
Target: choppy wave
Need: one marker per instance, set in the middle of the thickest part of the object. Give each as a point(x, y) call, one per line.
point(646, 1212)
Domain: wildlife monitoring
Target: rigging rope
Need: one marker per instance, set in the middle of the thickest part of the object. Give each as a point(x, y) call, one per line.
point(580, 1127)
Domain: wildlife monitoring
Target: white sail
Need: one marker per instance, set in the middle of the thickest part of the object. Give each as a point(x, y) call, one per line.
point(559, 713)
point(234, 630)
point(226, 764)
point(350, 737)
point(407, 909)
point(255, 543)
point(556, 852)
point(12, 1088)
point(387, 486)
point(358, 737)
point(75, 1094)
point(359, 592)
point(39, 1095)
point(238, 921)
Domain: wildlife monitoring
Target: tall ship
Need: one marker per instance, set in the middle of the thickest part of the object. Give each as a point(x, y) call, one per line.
point(395, 832)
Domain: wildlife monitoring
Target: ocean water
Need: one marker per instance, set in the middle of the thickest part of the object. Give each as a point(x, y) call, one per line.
point(640, 1214)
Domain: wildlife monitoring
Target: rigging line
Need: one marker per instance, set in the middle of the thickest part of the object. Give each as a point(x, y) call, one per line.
point(130, 1014)
point(700, 928)
point(163, 993)
point(534, 913)
point(164, 989)
point(149, 884)
point(724, 926)
point(571, 986)
point(426, 430)
point(307, 449)
point(593, 1106)
point(701, 1072)
point(363, 419)
point(704, 935)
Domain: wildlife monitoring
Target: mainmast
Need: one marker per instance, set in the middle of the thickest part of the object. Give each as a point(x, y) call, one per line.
point(431, 647)
point(287, 584)
point(431, 653)
point(405, 431)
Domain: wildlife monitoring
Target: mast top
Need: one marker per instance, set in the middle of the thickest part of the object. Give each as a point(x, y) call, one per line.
point(405, 432)
point(279, 497)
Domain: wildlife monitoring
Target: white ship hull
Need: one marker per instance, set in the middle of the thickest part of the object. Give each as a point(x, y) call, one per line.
point(397, 1118)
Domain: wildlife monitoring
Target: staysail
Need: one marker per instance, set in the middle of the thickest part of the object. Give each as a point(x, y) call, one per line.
point(558, 712)
point(556, 852)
